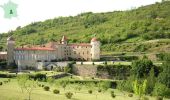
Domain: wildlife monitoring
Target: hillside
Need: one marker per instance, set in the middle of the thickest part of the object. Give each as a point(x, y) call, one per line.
point(118, 30)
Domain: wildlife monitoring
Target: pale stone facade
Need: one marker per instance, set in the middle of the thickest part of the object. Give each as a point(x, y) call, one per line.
point(52, 52)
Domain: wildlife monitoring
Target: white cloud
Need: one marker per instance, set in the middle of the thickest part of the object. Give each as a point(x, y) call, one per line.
point(40, 10)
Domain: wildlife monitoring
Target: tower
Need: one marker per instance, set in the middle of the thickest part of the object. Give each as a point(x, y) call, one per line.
point(95, 50)
point(10, 51)
point(64, 40)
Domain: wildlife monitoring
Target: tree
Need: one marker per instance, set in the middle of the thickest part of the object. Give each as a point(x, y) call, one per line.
point(139, 88)
point(164, 76)
point(26, 84)
point(22, 79)
point(141, 68)
point(29, 86)
point(151, 81)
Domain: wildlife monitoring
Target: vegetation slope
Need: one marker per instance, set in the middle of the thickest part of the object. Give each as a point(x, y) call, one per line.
point(143, 29)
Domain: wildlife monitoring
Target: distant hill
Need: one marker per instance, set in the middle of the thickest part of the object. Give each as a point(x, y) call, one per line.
point(118, 30)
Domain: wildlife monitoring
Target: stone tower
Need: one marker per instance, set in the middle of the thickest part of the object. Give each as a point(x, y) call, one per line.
point(95, 50)
point(64, 40)
point(10, 51)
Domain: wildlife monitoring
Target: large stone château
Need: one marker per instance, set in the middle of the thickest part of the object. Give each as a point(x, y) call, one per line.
point(34, 56)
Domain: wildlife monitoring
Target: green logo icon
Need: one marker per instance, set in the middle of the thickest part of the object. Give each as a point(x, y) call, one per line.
point(10, 9)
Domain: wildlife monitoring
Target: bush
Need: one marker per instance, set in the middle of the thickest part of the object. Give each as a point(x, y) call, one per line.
point(130, 95)
point(159, 98)
point(55, 91)
point(46, 88)
point(90, 91)
point(113, 94)
point(99, 90)
point(161, 90)
point(7, 75)
point(69, 95)
point(39, 77)
point(1, 83)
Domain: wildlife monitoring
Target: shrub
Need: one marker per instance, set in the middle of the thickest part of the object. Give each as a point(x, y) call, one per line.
point(113, 94)
point(55, 91)
point(39, 77)
point(1, 83)
point(99, 90)
point(46, 88)
point(161, 90)
point(130, 95)
point(159, 98)
point(69, 95)
point(42, 85)
point(90, 91)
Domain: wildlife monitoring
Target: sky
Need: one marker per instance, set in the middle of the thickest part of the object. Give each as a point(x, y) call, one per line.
point(29, 11)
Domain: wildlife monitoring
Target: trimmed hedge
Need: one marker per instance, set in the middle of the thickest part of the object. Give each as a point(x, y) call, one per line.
point(7, 75)
point(46, 88)
point(69, 95)
point(55, 91)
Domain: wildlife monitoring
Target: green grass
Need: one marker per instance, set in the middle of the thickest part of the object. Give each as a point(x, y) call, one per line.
point(11, 91)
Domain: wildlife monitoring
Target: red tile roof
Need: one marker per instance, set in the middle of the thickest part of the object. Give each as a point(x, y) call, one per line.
point(94, 39)
point(36, 48)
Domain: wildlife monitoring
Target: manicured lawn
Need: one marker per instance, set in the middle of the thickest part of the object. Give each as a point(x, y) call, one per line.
point(11, 91)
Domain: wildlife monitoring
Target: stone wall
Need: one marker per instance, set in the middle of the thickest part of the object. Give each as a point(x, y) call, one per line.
point(85, 70)
point(88, 71)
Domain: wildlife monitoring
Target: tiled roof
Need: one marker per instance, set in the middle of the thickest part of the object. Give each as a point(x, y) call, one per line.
point(94, 39)
point(36, 48)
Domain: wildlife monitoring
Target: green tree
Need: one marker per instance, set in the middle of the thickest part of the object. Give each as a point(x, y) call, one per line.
point(139, 88)
point(164, 76)
point(141, 68)
point(151, 81)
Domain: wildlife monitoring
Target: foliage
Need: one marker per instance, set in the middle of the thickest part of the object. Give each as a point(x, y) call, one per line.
point(161, 90)
point(125, 85)
point(114, 71)
point(141, 68)
point(55, 91)
point(69, 95)
point(1, 83)
point(151, 81)
point(159, 98)
point(46, 88)
point(67, 69)
point(90, 91)
point(139, 88)
point(164, 76)
point(26, 84)
point(104, 86)
point(130, 95)
point(39, 77)
point(22, 79)
point(113, 94)
point(50, 80)
point(142, 24)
